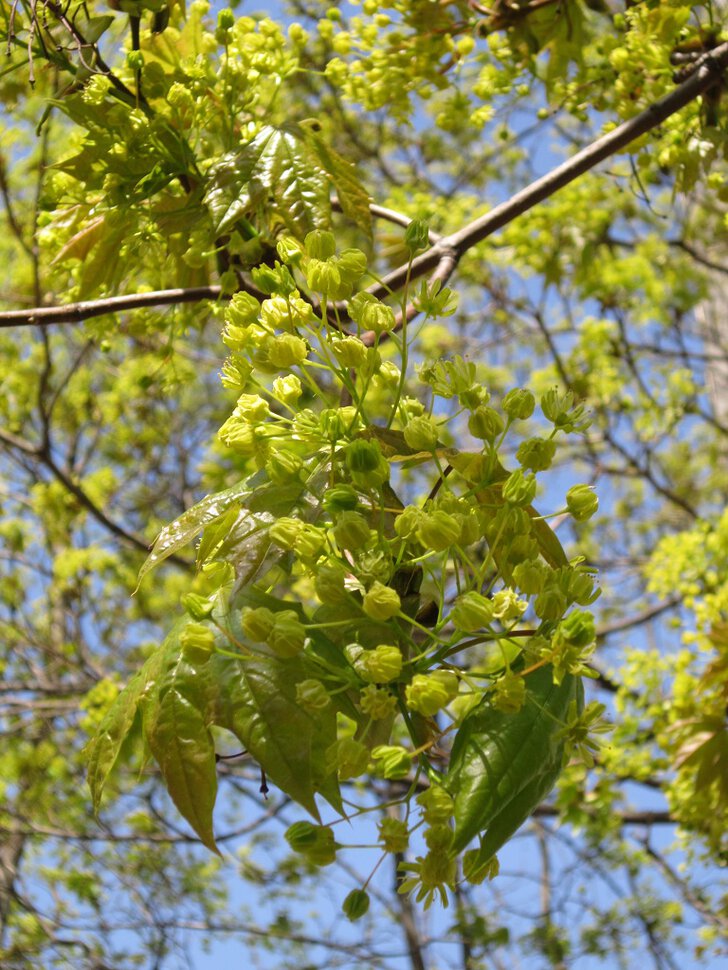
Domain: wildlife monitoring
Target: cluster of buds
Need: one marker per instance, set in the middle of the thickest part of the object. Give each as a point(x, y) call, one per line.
point(282, 631)
point(429, 693)
point(329, 273)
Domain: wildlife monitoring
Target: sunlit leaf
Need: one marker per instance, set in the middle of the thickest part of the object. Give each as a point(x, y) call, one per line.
point(497, 757)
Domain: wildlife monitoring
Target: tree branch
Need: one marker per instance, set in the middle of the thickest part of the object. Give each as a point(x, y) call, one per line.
point(710, 67)
point(86, 309)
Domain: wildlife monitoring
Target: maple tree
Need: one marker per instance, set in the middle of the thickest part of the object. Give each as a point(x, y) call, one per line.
point(344, 562)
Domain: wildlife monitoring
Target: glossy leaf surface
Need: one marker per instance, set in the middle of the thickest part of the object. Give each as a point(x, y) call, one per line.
point(502, 765)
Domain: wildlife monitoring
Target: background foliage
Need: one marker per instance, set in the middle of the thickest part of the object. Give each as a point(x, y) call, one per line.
point(152, 148)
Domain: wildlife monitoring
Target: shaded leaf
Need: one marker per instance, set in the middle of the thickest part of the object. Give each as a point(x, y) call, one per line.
point(177, 730)
point(103, 749)
point(261, 709)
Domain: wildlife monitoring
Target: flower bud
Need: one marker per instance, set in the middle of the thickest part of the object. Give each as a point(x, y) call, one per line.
point(289, 250)
point(199, 607)
point(470, 527)
point(389, 375)
point(323, 277)
point(315, 842)
point(356, 905)
point(578, 628)
point(438, 838)
point(286, 350)
point(288, 635)
point(471, 612)
point(287, 389)
point(363, 456)
point(407, 522)
point(242, 310)
point(340, 498)
point(472, 397)
point(437, 805)
point(507, 606)
point(421, 434)
point(377, 702)
point(252, 407)
point(581, 589)
point(329, 583)
point(381, 665)
point(550, 603)
point(510, 693)
point(312, 696)
point(352, 264)
point(438, 530)
point(302, 835)
point(529, 576)
point(275, 314)
point(309, 542)
point(429, 693)
point(519, 404)
point(485, 423)
point(381, 602)
point(257, 623)
point(416, 236)
point(284, 467)
point(519, 489)
point(320, 244)
point(349, 351)
point(393, 835)
point(351, 530)
point(536, 454)
point(238, 435)
point(285, 531)
point(581, 502)
point(394, 761)
point(197, 642)
point(225, 19)
point(273, 279)
point(371, 314)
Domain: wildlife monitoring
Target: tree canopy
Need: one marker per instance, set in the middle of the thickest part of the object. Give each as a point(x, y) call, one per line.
point(364, 435)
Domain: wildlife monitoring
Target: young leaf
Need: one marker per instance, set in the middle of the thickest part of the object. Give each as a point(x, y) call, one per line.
point(353, 198)
point(502, 765)
point(177, 729)
point(102, 751)
point(261, 709)
point(188, 525)
point(276, 171)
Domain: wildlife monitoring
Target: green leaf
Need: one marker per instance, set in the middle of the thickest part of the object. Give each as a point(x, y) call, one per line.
point(95, 27)
point(277, 173)
point(502, 765)
point(215, 534)
point(259, 706)
point(247, 547)
point(548, 541)
point(177, 728)
point(352, 196)
point(103, 749)
point(188, 525)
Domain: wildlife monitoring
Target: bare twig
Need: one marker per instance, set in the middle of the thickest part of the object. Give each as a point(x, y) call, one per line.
point(86, 309)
